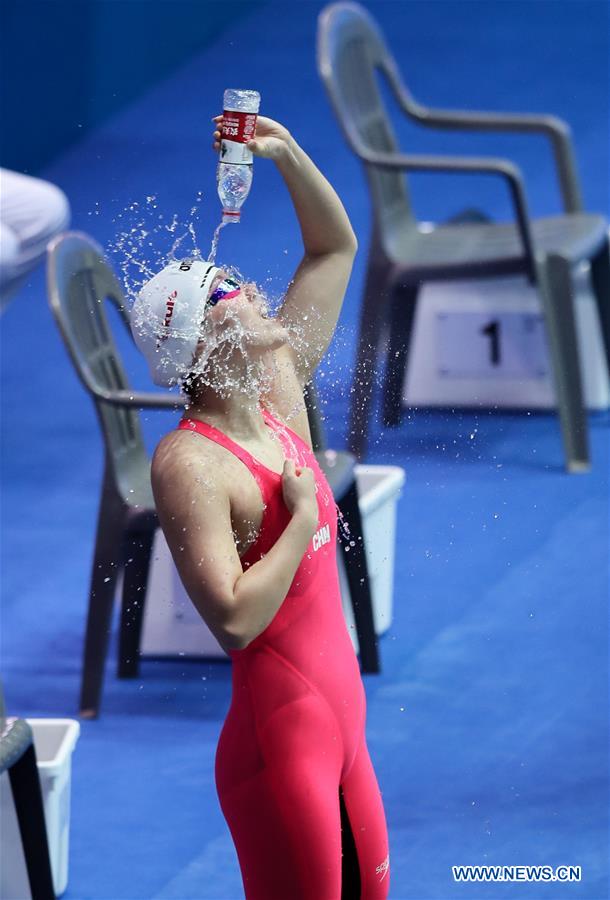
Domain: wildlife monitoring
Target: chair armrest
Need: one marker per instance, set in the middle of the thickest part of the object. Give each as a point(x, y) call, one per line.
point(476, 165)
point(141, 399)
point(552, 127)
point(138, 399)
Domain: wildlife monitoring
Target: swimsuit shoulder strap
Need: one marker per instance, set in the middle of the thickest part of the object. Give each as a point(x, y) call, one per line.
point(281, 428)
point(214, 434)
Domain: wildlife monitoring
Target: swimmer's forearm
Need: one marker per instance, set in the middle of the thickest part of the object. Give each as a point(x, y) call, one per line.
point(325, 225)
point(261, 590)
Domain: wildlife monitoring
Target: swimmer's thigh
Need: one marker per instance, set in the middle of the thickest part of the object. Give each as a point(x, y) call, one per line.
point(285, 820)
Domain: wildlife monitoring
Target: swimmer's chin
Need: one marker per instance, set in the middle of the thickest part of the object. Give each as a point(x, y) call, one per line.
point(283, 332)
point(272, 322)
point(272, 336)
point(280, 337)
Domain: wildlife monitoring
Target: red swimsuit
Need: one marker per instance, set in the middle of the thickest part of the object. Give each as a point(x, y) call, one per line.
point(294, 777)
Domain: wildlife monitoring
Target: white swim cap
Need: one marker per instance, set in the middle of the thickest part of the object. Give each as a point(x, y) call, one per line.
point(166, 317)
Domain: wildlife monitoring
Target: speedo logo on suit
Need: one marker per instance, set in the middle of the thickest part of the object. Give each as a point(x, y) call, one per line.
point(383, 867)
point(321, 537)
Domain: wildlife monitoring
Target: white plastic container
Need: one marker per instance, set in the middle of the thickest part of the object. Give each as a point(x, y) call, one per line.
point(54, 741)
point(379, 490)
point(173, 627)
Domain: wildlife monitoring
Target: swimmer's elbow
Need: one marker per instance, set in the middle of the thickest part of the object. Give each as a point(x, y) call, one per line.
point(220, 613)
point(230, 624)
point(232, 640)
point(237, 625)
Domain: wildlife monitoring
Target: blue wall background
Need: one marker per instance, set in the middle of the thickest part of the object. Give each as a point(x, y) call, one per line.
point(67, 65)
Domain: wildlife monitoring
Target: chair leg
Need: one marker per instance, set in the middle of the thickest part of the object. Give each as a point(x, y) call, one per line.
point(402, 315)
point(138, 551)
point(358, 579)
point(600, 280)
point(557, 296)
point(374, 303)
point(27, 796)
point(107, 561)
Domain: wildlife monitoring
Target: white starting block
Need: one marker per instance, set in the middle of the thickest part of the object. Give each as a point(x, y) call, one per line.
point(172, 626)
point(482, 343)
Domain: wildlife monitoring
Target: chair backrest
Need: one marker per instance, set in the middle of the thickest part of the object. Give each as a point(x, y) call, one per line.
point(350, 51)
point(79, 280)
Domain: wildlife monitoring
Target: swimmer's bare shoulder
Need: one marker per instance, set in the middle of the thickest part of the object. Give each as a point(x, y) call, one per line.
point(198, 455)
point(193, 503)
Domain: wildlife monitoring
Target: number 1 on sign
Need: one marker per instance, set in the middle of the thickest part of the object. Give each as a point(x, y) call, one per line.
point(470, 345)
point(493, 332)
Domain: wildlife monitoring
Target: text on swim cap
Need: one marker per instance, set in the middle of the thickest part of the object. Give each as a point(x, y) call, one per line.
point(169, 311)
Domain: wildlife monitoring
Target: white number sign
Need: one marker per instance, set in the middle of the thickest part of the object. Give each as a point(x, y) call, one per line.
point(497, 345)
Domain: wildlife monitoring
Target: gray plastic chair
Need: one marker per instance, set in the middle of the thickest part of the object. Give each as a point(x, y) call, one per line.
point(79, 280)
point(350, 52)
point(18, 758)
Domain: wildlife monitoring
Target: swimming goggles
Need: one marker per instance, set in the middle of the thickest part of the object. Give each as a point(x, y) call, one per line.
point(227, 288)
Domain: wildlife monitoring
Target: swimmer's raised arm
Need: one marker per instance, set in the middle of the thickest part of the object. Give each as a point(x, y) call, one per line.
point(325, 226)
point(314, 298)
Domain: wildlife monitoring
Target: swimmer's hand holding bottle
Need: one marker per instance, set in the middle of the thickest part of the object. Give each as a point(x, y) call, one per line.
point(242, 134)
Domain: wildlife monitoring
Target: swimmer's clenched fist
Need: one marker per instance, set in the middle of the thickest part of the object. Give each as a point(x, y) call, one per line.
point(298, 487)
point(271, 140)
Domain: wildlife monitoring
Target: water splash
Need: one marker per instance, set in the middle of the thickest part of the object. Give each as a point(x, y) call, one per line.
point(212, 256)
point(140, 247)
point(195, 253)
point(146, 240)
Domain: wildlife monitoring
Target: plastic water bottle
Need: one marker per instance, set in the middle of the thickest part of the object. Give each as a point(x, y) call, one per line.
point(234, 174)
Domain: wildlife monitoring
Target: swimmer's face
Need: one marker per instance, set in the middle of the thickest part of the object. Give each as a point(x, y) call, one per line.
point(244, 318)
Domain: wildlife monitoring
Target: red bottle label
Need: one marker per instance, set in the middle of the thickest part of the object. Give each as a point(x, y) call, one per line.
point(237, 129)
point(238, 126)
